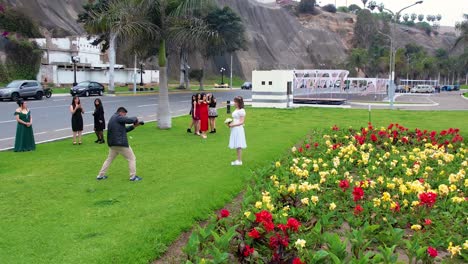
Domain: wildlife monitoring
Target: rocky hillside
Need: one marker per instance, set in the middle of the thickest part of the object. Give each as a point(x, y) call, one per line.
point(277, 38)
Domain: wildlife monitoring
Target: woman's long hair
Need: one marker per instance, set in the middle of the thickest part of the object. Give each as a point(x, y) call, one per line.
point(240, 101)
point(73, 101)
point(98, 106)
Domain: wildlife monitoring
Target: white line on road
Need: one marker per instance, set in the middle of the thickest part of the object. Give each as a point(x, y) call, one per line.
point(40, 133)
point(2, 122)
point(4, 139)
point(56, 100)
point(147, 105)
point(62, 129)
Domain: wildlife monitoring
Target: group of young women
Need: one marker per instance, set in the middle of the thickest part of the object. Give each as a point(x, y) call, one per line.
point(24, 140)
point(204, 113)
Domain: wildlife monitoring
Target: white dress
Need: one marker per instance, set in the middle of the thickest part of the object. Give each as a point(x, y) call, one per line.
point(237, 138)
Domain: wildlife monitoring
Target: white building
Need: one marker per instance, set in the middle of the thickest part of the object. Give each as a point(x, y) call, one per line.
point(57, 67)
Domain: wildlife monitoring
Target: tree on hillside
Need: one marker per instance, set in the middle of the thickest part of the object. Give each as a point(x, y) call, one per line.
point(119, 20)
point(307, 6)
point(354, 8)
point(420, 17)
point(364, 2)
point(406, 17)
point(462, 27)
point(413, 17)
point(364, 29)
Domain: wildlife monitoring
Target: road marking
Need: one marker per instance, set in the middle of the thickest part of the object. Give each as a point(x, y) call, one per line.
point(56, 100)
point(42, 107)
point(186, 101)
point(89, 125)
point(40, 133)
point(10, 121)
point(147, 105)
point(62, 129)
point(4, 139)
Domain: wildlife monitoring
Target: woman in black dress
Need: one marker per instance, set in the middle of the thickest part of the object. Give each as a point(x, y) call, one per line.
point(212, 112)
point(99, 121)
point(77, 119)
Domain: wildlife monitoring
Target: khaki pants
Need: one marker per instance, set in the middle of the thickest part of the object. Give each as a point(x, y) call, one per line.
point(124, 151)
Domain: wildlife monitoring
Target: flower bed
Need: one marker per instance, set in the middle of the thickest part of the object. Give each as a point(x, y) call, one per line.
point(350, 196)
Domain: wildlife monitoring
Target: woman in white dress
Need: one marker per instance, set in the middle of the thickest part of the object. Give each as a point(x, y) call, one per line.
point(237, 138)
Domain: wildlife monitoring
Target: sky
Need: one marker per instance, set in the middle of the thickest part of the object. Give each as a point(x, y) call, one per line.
point(451, 10)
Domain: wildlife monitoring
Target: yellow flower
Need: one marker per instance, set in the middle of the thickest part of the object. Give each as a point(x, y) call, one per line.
point(416, 227)
point(391, 186)
point(292, 188)
point(465, 245)
point(277, 164)
point(300, 243)
point(458, 199)
point(386, 197)
point(453, 188)
point(314, 199)
point(454, 250)
point(405, 203)
point(393, 205)
point(376, 202)
point(286, 208)
point(247, 214)
point(274, 177)
point(414, 203)
point(270, 207)
point(332, 206)
point(305, 201)
point(258, 204)
point(380, 180)
point(443, 189)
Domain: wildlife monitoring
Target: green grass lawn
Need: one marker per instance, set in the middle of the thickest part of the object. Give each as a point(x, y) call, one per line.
point(54, 211)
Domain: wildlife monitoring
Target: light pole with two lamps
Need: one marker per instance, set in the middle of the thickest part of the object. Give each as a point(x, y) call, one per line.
point(395, 16)
point(141, 73)
point(222, 70)
point(75, 60)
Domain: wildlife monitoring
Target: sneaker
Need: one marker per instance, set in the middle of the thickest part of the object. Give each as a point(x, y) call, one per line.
point(101, 177)
point(136, 178)
point(236, 163)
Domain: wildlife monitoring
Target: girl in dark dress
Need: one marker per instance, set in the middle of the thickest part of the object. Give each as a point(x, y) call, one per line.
point(24, 140)
point(196, 113)
point(99, 121)
point(77, 119)
point(192, 113)
point(212, 112)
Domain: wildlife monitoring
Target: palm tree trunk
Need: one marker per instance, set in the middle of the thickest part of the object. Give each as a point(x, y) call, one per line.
point(112, 41)
point(164, 113)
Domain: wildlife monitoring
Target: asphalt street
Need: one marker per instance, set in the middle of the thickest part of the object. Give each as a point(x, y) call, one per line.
point(52, 117)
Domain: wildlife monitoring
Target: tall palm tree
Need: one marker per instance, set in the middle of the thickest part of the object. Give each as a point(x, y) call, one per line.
point(120, 19)
point(164, 12)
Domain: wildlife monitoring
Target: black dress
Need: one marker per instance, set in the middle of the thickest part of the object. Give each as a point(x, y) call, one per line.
point(77, 120)
point(99, 121)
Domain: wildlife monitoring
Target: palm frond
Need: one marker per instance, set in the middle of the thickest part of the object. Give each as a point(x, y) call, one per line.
point(193, 8)
point(190, 31)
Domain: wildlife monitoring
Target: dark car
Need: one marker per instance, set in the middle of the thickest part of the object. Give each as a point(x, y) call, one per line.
point(87, 89)
point(246, 86)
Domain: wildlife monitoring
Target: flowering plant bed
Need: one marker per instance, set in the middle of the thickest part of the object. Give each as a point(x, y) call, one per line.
point(370, 195)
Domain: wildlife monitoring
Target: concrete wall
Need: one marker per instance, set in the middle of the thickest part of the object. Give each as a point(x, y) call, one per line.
point(62, 76)
point(269, 88)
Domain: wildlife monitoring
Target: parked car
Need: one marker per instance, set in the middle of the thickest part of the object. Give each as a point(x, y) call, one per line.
point(447, 88)
point(246, 86)
point(22, 89)
point(423, 88)
point(87, 88)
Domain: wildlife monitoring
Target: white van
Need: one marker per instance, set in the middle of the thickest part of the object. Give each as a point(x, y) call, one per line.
point(423, 88)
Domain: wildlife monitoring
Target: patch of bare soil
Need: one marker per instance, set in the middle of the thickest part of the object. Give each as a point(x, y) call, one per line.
point(174, 253)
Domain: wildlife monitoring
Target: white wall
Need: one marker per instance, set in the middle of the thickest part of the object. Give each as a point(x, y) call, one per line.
point(60, 50)
point(269, 88)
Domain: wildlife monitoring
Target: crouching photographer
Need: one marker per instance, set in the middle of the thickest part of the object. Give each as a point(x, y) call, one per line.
point(118, 143)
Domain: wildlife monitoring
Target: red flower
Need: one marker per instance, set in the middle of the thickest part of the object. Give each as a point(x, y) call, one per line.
point(316, 144)
point(432, 252)
point(277, 240)
point(248, 250)
point(307, 146)
point(396, 208)
point(269, 226)
point(293, 224)
point(390, 127)
point(373, 137)
point(427, 221)
point(344, 185)
point(427, 199)
point(283, 228)
point(358, 193)
point(335, 128)
point(297, 261)
point(300, 150)
point(421, 180)
point(254, 234)
point(443, 132)
point(358, 209)
point(224, 213)
point(263, 216)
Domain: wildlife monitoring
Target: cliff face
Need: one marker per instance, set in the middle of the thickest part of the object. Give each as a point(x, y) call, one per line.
point(277, 39)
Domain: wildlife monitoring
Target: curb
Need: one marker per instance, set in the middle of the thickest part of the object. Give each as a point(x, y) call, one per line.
point(387, 105)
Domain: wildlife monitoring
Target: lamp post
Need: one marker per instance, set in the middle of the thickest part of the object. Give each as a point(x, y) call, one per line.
point(222, 70)
point(391, 77)
point(141, 73)
point(75, 60)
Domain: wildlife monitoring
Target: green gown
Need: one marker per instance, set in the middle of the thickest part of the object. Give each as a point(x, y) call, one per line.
point(24, 135)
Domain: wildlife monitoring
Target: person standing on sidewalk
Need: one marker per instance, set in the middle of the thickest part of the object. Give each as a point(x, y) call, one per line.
point(118, 142)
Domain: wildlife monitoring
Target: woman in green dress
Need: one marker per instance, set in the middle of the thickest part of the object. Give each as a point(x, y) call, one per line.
point(24, 133)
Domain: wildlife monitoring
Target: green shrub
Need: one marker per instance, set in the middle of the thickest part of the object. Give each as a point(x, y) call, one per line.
point(14, 20)
point(307, 6)
point(23, 59)
point(343, 9)
point(3, 74)
point(329, 8)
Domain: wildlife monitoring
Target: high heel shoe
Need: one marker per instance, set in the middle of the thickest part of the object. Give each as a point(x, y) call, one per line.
point(189, 130)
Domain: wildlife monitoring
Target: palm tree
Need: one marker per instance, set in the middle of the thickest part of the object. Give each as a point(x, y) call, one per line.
point(119, 19)
point(413, 17)
point(420, 17)
point(364, 2)
point(406, 17)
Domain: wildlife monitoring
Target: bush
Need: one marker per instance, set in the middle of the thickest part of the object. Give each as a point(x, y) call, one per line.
point(329, 8)
point(307, 6)
point(3, 74)
point(13, 20)
point(343, 9)
point(353, 8)
point(23, 59)
point(424, 26)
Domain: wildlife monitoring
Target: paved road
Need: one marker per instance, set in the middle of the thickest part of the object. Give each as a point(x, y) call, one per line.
point(52, 119)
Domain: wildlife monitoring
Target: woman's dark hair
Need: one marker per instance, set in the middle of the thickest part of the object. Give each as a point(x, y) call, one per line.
point(240, 101)
point(73, 100)
point(194, 97)
point(100, 103)
point(20, 102)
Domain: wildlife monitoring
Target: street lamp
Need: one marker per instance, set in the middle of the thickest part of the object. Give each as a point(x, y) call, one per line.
point(141, 73)
point(391, 77)
point(75, 60)
point(222, 70)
